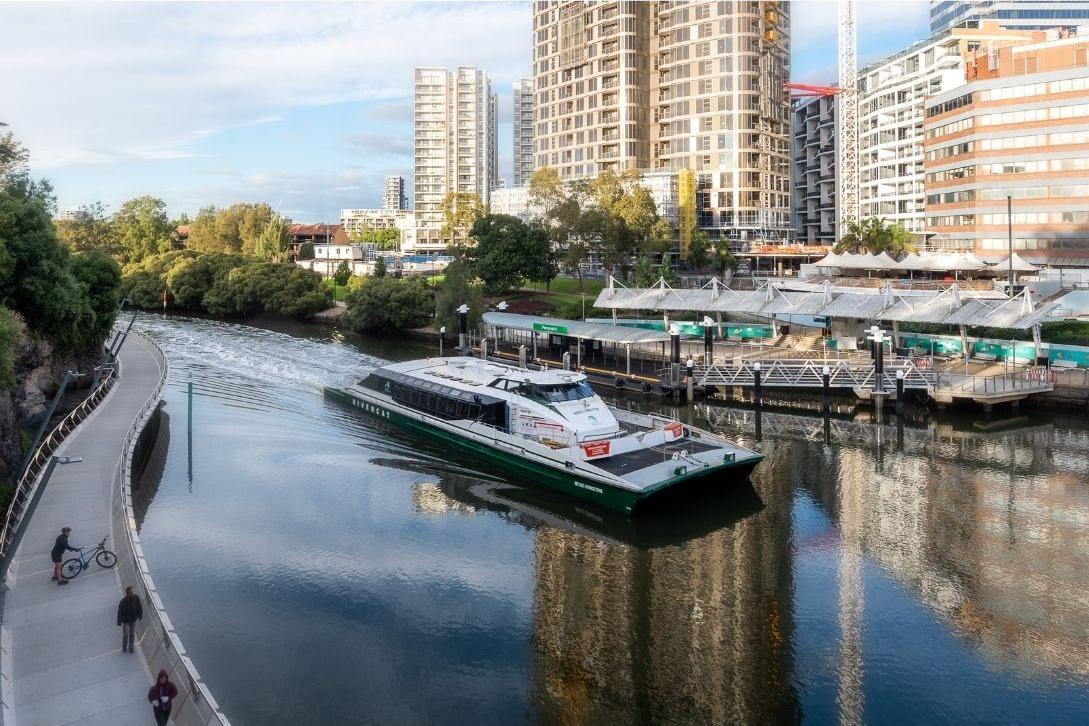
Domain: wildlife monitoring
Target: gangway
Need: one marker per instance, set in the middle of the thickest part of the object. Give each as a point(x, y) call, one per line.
point(987, 390)
point(780, 373)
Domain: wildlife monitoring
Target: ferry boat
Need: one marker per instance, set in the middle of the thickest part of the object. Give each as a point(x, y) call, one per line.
point(547, 426)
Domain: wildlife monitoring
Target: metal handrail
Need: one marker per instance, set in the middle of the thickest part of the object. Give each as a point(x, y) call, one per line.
point(31, 477)
point(196, 706)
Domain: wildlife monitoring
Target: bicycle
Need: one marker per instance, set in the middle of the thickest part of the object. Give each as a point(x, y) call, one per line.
point(76, 565)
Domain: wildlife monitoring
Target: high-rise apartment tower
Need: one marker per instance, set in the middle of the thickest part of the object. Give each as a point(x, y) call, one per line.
point(1018, 14)
point(455, 145)
point(394, 198)
point(693, 87)
point(522, 123)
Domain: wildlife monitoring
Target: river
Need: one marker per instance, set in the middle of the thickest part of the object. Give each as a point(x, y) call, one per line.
point(324, 569)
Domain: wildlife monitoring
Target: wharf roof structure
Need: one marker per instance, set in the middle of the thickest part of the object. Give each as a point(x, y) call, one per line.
point(951, 306)
point(576, 329)
point(926, 262)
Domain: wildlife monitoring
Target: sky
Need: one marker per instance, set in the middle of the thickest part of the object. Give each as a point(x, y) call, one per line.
point(307, 106)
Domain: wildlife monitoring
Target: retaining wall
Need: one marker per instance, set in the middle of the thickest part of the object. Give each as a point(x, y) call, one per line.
point(155, 636)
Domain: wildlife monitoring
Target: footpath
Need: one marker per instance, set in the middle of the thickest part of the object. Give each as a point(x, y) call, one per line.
point(62, 643)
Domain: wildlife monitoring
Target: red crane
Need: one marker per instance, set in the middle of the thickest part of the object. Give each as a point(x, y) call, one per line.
point(808, 90)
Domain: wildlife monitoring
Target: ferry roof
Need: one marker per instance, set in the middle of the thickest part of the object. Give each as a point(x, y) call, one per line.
point(476, 372)
point(576, 328)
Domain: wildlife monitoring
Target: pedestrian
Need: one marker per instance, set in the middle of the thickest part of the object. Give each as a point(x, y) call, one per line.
point(162, 696)
point(129, 610)
point(58, 551)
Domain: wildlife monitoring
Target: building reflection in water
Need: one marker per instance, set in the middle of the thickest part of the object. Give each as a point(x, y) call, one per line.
point(680, 618)
point(988, 526)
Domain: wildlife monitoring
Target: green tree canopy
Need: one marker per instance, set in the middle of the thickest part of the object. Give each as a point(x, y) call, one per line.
point(237, 228)
point(386, 305)
point(388, 239)
point(874, 235)
point(91, 229)
point(272, 243)
point(507, 250)
point(460, 210)
point(380, 267)
point(342, 274)
point(459, 287)
point(141, 228)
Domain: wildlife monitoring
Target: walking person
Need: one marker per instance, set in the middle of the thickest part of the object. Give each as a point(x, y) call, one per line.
point(162, 696)
point(129, 610)
point(58, 551)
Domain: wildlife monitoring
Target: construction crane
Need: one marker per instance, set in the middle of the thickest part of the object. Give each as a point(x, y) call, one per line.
point(847, 119)
point(846, 116)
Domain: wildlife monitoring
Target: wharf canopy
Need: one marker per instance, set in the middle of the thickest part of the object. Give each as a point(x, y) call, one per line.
point(575, 328)
point(951, 306)
point(926, 262)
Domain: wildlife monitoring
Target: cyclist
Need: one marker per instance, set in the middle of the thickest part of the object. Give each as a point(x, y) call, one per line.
point(58, 551)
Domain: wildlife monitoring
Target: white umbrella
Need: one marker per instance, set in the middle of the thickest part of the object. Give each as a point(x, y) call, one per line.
point(830, 260)
point(1019, 265)
point(967, 262)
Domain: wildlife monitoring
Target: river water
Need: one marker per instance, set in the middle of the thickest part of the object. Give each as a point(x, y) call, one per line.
point(324, 569)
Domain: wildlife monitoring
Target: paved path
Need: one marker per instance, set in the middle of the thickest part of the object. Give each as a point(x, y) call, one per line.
point(66, 662)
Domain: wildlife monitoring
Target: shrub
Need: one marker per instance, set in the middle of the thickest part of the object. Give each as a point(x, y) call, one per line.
point(385, 305)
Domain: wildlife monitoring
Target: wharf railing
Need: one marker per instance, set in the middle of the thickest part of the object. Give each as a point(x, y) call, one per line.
point(1029, 381)
point(810, 374)
point(158, 640)
point(33, 475)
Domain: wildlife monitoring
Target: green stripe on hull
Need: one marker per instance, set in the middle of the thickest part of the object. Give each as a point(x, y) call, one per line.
point(620, 500)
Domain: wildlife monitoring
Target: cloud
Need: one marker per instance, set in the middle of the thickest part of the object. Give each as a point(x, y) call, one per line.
point(160, 79)
point(376, 143)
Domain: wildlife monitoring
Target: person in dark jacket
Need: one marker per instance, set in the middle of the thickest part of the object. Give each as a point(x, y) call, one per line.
point(162, 696)
point(129, 610)
point(58, 551)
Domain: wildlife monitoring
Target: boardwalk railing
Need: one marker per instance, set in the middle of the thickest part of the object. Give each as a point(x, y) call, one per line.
point(27, 485)
point(159, 642)
point(1032, 380)
point(810, 374)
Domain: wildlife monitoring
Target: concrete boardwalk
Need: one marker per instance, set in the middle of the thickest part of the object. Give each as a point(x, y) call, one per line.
point(66, 663)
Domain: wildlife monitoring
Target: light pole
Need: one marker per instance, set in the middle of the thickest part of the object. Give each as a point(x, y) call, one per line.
point(1009, 234)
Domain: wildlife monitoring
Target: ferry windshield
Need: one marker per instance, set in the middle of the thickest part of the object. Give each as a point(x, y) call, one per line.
point(563, 391)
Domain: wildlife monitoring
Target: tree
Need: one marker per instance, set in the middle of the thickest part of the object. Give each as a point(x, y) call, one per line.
point(388, 239)
point(190, 278)
point(699, 250)
point(100, 276)
point(546, 190)
point(380, 267)
point(141, 228)
point(386, 305)
point(874, 236)
point(508, 251)
point(306, 251)
point(458, 288)
point(644, 273)
point(237, 228)
point(36, 277)
point(271, 244)
point(460, 210)
point(340, 277)
point(89, 230)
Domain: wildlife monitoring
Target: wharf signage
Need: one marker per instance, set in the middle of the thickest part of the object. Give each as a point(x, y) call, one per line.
point(595, 448)
point(549, 328)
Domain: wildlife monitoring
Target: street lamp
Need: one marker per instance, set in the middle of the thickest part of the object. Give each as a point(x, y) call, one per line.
point(1009, 235)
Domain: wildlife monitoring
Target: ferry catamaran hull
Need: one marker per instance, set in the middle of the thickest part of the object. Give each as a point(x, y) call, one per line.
point(672, 455)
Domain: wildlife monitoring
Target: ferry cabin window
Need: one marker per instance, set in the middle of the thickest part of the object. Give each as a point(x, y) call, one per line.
point(558, 393)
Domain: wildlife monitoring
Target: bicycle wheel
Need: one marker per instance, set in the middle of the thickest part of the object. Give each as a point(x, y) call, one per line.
point(105, 558)
point(71, 568)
